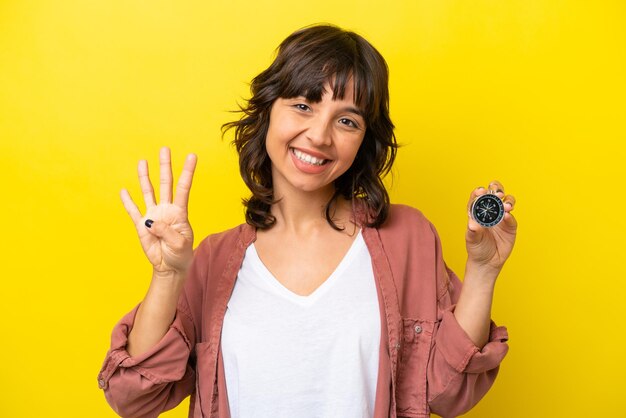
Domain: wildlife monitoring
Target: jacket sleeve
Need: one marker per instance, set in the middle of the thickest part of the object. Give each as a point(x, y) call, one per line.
point(155, 381)
point(459, 373)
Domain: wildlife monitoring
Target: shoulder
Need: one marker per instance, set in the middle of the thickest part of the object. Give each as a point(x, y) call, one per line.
point(227, 240)
point(406, 220)
point(406, 229)
point(399, 212)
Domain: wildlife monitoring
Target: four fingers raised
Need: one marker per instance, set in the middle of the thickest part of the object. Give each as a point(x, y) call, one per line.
point(182, 188)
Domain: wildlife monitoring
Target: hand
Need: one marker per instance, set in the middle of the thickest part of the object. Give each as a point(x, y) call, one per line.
point(490, 247)
point(168, 241)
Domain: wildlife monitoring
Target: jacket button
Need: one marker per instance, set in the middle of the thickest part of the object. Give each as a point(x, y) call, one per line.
point(418, 329)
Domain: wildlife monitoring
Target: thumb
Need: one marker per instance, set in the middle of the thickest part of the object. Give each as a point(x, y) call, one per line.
point(475, 232)
point(164, 232)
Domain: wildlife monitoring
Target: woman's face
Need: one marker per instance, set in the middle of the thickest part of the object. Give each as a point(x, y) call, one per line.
point(312, 144)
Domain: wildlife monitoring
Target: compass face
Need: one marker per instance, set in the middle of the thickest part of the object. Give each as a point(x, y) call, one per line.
point(487, 210)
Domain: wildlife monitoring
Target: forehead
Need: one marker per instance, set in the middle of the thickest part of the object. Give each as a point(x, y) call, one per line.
point(340, 88)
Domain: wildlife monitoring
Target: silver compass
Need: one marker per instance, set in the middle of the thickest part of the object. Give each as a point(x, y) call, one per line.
point(487, 209)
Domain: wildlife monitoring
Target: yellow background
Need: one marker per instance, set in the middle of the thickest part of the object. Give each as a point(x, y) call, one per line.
point(526, 91)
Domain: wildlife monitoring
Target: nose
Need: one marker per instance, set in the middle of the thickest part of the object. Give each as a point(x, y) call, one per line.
point(319, 131)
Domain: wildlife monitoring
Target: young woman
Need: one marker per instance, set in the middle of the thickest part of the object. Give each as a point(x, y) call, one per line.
point(328, 301)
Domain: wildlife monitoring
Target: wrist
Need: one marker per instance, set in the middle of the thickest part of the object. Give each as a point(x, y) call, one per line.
point(480, 272)
point(165, 288)
point(168, 278)
point(168, 274)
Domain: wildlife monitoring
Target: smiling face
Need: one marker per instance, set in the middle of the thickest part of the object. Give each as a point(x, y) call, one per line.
point(317, 128)
point(312, 144)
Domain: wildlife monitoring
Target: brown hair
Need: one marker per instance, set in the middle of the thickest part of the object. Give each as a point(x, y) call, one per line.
point(307, 60)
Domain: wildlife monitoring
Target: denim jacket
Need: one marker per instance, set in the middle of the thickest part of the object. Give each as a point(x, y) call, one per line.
point(427, 363)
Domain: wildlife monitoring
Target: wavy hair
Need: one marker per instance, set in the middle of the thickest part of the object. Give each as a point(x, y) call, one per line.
point(305, 61)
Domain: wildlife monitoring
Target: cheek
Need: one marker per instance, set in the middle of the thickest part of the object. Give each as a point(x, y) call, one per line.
point(274, 132)
point(354, 149)
point(280, 129)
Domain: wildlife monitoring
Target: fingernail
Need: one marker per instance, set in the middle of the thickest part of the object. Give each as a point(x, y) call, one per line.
point(481, 188)
point(499, 191)
point(149, 223)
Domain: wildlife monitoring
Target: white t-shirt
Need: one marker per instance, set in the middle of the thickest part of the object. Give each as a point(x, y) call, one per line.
point(292, 356)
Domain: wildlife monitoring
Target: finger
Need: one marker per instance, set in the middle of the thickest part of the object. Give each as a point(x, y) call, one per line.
point(497, 187)
point(473, 226)
point(509, 202)
point(475, 233)
point(165, 232)
point(145, 184)
point(509, 222)
point(165, 167)
point(184, 182)
point(130, 206)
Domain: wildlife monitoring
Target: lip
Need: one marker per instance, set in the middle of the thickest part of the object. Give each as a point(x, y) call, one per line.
point(305, 167)
point(312, 153)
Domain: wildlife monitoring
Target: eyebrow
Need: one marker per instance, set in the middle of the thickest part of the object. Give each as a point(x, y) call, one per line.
point(354, 110)
point(350, 109)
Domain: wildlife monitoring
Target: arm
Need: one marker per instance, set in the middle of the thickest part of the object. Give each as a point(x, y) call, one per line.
point(468, 347)
point(459, 373)
point(487, 251)
point(167, 241)
point(156, 380)
point(146, 370)
point(473, 309)
point(157, 311)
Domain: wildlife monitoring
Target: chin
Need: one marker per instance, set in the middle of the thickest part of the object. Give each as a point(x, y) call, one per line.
point(310, 187)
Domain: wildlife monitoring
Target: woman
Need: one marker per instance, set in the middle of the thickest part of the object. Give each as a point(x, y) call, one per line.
point(329, 301)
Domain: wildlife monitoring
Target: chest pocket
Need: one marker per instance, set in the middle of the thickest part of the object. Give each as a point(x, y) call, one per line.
point(411, 389)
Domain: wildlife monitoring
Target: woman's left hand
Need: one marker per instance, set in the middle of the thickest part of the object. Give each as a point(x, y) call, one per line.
point(489, 248)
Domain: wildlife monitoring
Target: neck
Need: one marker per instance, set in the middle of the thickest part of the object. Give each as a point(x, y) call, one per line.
point(305, 213)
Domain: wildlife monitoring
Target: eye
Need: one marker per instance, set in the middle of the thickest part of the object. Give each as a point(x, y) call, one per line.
point(348, 122)
point(302, 106)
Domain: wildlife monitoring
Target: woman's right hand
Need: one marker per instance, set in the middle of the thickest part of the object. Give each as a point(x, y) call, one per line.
point(164, 231)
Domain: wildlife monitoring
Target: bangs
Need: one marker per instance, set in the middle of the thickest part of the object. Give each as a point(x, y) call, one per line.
point(307, 72)
point(311, 83)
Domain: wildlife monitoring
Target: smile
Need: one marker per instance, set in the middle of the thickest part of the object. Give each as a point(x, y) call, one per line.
point(306, 158)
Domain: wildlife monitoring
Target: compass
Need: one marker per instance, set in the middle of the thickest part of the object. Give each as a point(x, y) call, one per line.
point(487, 210)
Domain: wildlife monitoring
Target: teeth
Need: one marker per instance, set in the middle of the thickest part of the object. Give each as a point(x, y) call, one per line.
point(307, 158)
